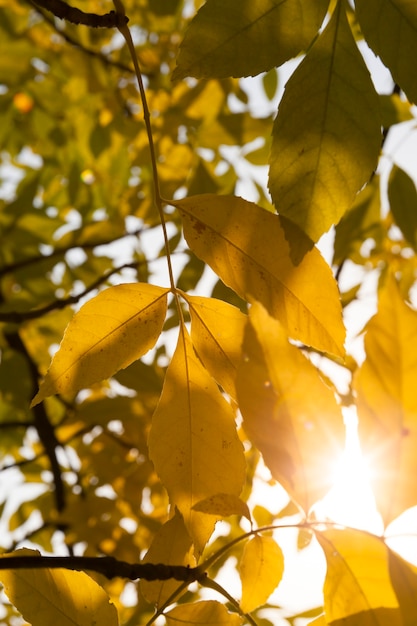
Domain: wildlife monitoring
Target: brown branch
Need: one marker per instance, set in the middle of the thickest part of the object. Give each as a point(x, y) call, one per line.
point(108, 566)
point(106, 60)
point(71, 14)
point(17, 317)
point(41, 422)
point(57, 252)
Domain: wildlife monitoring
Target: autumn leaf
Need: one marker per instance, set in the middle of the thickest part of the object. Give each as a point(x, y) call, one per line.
point(390, 29)
point(327, 135)
point(217, 335)
point(358, 588)
point(171, 545)
point(288, 412)
point(223, 35)
point(223, 505)
point(107, 334)
point(261, 569)
point(246, 246)
point(193, 441)
point(404, 581)
point(57, 596)
point(206, 613)
point(387, 403)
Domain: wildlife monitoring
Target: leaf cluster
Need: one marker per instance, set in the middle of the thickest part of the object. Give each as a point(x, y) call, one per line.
point(159, 333)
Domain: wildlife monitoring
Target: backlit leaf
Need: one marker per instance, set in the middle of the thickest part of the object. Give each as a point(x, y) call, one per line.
point(402, 194)
point(193, 441)
point(222, 37)
point(207, 613)
point(390, 29)
point(261, 569)
point(247, 247)
point(106, 335)
point(223, 505)
point(288, 412)
point(357, 589)
point(48, 597)
point(327, 135)
point(171, 545)
point(404, 581)
point(387, 403)
point(217, 335)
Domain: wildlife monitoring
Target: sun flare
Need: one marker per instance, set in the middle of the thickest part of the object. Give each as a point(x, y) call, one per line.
point(351, 502)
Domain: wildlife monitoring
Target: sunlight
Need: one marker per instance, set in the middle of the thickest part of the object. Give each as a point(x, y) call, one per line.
point(351, 502)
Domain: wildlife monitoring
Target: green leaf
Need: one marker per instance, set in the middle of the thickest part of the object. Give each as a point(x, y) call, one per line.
point(107, 334)
point(261, 569)
point(53, 596)
point(193, 441)
point(390, 29)
point(327, 135)
point(247, 247)
point(288, 412)
point(224, 34)
point(402, 194)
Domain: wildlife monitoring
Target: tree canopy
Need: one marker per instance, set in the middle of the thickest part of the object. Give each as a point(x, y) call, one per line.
point(168, 318)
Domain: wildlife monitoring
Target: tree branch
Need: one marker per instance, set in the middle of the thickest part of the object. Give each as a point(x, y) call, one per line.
point(17, 317)
point(71, 14)
point(42, 424)
point(108, 566)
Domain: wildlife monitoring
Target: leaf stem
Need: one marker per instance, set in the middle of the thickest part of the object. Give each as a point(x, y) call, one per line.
point(125, 31)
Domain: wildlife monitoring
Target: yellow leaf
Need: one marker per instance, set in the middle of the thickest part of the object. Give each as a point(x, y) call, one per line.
point(47, 597)
point(387, 403)
point(207, 613)
point(247, 247)
point(327, 135)
point(319, 621)
point(223, 35)
point(172, 546)
point(261, 569)
point(404, 581)
point(288, 412)
point(193, 441)
point(217, 335)
point(106, 335)
point(390, 28)
point(223, 505)
point(357, 588)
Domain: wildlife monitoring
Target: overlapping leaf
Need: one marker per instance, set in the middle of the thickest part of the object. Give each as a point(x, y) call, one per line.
point(247, 247)
point(327, 135)
point(358, 588)
point(261, 569)
point(207, 613)
point(107, 334)
point(217, 335)
point(288, 412)
point(224, 34)
point(404, 581)
point(387, 403)
point(172, 545)
point(390, 29)
point(49, 597)
point(193, 441)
